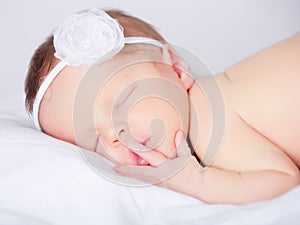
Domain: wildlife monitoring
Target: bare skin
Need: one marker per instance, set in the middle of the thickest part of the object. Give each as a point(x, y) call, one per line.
point(262, 101)
point(259, 157)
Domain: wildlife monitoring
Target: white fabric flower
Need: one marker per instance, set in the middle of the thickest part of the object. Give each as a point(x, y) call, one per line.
point(86, 37)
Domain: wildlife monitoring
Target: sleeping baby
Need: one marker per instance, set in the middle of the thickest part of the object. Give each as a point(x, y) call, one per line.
point(109, 83)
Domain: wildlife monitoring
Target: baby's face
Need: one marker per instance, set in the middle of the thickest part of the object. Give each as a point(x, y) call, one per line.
point(144, 102)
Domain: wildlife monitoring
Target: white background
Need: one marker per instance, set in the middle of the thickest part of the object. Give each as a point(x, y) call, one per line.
point(220, 32)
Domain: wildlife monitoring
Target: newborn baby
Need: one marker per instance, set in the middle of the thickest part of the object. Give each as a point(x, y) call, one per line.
point(258, 151)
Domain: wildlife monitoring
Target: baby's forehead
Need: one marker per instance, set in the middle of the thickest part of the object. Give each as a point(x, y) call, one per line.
point(136, 61)
point(113, 73)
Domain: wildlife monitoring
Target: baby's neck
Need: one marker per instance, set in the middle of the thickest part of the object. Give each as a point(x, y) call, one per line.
point(206, 107)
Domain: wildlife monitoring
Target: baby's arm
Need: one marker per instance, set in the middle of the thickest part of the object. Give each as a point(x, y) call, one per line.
point(272, 174)
point(214, 185)
point(221, 186)
point(248, 167)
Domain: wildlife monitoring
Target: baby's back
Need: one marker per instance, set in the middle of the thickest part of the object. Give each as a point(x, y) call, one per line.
point(264, 90)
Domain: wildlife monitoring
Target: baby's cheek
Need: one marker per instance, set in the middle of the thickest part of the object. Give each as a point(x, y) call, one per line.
point(139, 125)
point(156, 119)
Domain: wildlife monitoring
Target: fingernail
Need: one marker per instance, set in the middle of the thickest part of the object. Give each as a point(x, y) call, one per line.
point(178, 138)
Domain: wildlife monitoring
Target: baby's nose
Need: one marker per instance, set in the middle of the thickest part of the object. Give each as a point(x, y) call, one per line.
point(121, 137)
point(114, 138)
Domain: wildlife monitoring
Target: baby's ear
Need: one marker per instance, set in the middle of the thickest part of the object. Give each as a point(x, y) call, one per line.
point(183, 70)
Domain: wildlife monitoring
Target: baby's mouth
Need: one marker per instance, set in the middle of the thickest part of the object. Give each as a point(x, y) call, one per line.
point(139, 160)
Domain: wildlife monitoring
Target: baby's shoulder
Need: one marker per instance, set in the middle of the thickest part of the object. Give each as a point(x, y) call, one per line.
point(275, 63)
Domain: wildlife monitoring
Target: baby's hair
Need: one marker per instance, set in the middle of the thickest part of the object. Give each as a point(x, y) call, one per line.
point(43, 59)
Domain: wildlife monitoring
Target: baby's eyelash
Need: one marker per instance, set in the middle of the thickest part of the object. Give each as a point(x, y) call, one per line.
point(121, 100)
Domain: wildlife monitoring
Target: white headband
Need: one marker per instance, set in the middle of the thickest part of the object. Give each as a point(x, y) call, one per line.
point(84, 39)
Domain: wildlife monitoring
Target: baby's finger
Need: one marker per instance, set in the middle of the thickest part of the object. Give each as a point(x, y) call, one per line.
point(153, 157)
point(182, 147)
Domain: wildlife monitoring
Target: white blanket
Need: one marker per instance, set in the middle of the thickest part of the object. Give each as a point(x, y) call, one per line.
point(46, 181)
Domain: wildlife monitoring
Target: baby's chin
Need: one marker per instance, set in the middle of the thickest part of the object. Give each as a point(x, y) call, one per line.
point(168, 149)
point(165, 146)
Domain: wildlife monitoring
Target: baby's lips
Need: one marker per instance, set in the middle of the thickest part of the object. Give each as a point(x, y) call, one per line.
point(142, 162)
point(151, 156)
point(139, 160)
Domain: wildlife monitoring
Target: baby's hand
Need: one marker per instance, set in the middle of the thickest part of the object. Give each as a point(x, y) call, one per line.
point(172, 173)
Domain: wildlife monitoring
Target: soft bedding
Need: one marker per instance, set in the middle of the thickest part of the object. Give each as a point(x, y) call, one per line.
point(47, 181)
